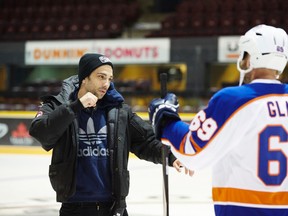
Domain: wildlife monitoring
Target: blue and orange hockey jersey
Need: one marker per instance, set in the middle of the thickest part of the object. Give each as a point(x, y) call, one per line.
point(243, 136)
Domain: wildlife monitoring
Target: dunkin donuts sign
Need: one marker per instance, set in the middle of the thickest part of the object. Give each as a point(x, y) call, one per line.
point(122, 51)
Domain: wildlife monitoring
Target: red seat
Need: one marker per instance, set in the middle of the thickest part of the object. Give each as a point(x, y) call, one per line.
point(24, 32)
point(67, 12)
point(92, 11)
point(274, 18)
point(45, 3)
point(168, 23)
point(32, 3)
point(257, 18)
point(106, 10)
point(36, 30)
point(10, 32)
point(9, 4)
point(120, 9)
point(211, 23)
point(182, 21)
point(226, 24)
point(60, 30)
point(183, 8)
point(242, 23)
point(211, 6)
point(227, 6)
point(242, 5)
point(73, 30)
point(115, 28)
point(271, 5)
point(31, 13)
point(196, 25)
point(133, 12)
point(86, 29)
point(284, 22)
point(80, 11)
point(100, 28)
point(259, 4)
point(55, 12)
point(283, 5)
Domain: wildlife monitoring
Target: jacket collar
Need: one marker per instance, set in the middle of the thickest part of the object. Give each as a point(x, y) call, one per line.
point(71, 85)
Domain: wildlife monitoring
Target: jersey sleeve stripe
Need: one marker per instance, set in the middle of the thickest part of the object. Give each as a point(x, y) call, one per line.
point(194, 144)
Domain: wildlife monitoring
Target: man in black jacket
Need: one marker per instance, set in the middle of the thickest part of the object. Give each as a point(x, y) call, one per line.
point(91, 131)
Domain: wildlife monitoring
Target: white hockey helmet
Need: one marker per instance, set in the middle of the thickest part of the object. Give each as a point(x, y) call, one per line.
point(267, 47)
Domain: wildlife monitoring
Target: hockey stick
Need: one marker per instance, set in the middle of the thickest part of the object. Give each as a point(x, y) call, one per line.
point(165, 148)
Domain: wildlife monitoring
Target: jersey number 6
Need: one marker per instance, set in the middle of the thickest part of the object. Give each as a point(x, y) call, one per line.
point(272, 159)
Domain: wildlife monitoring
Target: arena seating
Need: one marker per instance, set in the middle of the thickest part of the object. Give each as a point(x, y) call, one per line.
point(85, 19)
point(65, 19)
point(225, 17)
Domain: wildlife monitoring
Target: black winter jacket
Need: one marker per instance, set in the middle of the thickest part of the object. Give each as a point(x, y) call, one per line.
point(56, 127)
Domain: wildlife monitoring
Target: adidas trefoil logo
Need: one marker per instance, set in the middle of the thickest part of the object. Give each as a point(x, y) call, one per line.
point(93, 141)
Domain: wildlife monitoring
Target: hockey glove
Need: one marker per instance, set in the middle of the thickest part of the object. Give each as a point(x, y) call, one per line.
point(163, 110)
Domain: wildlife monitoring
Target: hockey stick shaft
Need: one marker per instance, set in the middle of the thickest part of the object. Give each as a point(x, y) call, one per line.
point(163, 82)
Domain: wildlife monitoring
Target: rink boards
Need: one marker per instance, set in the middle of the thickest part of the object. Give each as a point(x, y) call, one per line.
point(14, 131)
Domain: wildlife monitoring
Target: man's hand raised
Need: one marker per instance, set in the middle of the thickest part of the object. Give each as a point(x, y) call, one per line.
point(88, 100)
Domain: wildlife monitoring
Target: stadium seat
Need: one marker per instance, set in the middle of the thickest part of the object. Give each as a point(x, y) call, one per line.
point(182, 22)
point(67, 13)
point(271, 5)
point(196, 6)
point(86, 29)
point(92, 12)
point(100, 29)
point(45, 3)
point(73, 30)
point(24, 32)
point(259, 4)
point(133, 12)
point(30, 12)
point(115, 28)
point(10, 32)
point(119, 10)
point(33, 3)
point(227, 6)
point(168, 23)
point(283, 5)
point(274, 18)
point(184, 8)
point(257, 18)
point(47, 30)
point(196, 25)
point(80, 11)
point(241, 6)
point(226, 24)
point(211, 6)
point(55, 12)
point(211, 24)
point(9, 4)
point(35, 30)
point(242, 22)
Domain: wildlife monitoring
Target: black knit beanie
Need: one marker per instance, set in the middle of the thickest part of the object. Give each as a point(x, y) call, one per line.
point(89, 62)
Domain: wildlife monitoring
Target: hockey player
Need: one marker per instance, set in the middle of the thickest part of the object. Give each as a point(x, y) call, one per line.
point(242, 133)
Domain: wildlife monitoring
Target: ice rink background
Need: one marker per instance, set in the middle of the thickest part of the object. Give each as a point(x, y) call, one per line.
point(25, 189)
